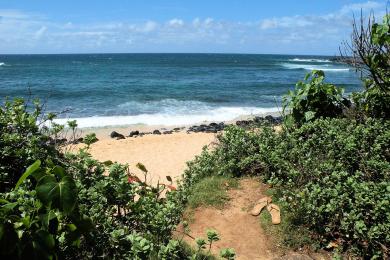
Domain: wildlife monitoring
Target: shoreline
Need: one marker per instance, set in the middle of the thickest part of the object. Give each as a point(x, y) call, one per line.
point(104, 132)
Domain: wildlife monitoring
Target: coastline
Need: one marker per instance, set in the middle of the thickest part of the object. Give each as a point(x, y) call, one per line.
point(104, 131)
point(162, 154)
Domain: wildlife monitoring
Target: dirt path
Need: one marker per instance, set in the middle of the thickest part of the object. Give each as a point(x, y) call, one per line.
point(236, 227)
point(240, 230)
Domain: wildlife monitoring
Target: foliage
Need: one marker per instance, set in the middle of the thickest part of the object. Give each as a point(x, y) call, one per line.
point(71, 206)
point(21, 141)
point(332, 174)
point(313, 99)
point(41, 221)
point(369, 53)
point(127, 213)
point(90, 139)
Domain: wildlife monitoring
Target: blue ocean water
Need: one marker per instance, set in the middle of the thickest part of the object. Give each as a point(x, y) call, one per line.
point(123, 89)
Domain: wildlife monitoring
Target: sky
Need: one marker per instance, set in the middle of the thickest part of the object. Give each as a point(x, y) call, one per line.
point(191, 26)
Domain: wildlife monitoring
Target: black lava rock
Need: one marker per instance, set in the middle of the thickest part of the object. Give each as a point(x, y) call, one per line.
point(134, 133)
point(117, 135)
point(156, 132)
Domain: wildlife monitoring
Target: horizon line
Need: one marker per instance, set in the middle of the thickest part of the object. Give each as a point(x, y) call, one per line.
point(211, 53)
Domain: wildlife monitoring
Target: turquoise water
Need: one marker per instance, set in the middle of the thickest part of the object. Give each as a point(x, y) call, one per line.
point(122, 89)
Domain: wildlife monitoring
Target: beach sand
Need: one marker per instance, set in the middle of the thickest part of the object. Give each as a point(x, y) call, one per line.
point(162, 155)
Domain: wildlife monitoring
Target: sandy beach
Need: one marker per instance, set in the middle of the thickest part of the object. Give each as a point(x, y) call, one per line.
point(162, 155)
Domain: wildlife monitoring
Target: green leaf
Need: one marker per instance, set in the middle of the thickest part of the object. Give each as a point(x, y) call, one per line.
point(62, 195)
point(141, 167)
point(59, 171)
point(32, 168)
point(309, 115)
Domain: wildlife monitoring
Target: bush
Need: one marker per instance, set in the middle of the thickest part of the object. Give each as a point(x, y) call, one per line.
point(71, 206)
point(127, 212)
point(22, 142)
point(41, 222)
point(332, 174)
point(313, 99)
point(369, 53)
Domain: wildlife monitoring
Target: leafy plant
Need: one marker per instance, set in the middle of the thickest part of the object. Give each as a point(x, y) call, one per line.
point(369, 53)
point(228, 253)
point(331, 174)
point(313, 98)
point(40, 222)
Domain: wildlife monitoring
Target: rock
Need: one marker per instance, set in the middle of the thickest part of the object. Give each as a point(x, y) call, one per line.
point(156, 132)
point(258, 119)
point(176, 129)
point(115, 134)
point(134, 133)
point(211, 130)
point(167, 132)
point(270, 119)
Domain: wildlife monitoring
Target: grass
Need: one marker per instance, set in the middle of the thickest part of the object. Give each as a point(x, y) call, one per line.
point(211, 191)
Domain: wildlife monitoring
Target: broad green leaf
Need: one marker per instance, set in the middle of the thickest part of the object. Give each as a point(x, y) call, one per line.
point(62, 194)
point(32, 168)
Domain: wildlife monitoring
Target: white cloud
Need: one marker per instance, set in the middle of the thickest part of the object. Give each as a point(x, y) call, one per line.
point(176, 22)
point(38, 34)
point(25, 32)
point(367, 6)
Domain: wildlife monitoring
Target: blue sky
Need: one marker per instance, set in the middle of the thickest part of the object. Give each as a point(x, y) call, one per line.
point(233, 26)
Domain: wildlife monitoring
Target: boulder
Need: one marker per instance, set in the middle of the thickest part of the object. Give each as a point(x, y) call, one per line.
point(156, 132)
point(116, 135)
point(167, 132)
point(134, 133)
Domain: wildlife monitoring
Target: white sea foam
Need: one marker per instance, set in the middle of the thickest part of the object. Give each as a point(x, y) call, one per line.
point(325, 67)
point(168, 119)
point(309, 60)
point(2, 63)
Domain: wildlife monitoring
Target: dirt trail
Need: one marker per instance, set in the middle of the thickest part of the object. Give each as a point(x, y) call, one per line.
point(236, 227)
point(240, 230)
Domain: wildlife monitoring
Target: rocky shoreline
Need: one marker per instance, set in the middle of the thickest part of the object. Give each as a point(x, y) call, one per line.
point(203, 128)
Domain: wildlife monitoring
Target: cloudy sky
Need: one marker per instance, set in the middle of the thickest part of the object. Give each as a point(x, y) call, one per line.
point(207, 26)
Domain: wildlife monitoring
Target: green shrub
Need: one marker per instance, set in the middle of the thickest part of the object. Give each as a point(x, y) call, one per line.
point(40, 222)
point(124, 210)
point(332, 174)
point(313, 99)
point(22, 142)
point(70, 206)
point(369, 53)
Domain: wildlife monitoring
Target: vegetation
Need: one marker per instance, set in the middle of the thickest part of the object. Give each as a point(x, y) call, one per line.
point(369, 53)
point(329, 168)
point(314, 99)
point(211, 191)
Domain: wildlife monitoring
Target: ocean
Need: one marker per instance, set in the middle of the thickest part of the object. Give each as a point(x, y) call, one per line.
point(162, 89)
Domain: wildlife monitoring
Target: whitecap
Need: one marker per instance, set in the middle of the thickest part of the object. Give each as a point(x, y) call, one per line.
point(309, 60)
point(217, 114)
point(315, 67)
